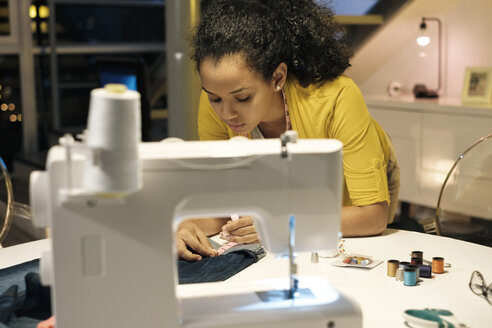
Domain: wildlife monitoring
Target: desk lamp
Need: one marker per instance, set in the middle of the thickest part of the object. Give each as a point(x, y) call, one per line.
point(420, 90)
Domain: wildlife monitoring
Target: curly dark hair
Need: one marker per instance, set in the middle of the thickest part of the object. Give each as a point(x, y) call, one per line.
point(300, 33)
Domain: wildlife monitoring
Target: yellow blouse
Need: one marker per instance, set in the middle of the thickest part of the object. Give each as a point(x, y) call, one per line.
point(332, 109)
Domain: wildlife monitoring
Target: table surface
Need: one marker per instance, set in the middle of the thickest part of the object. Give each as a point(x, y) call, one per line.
point(382, 299)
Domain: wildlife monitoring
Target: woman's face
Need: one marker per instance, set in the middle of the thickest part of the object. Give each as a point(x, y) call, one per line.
point(240, 96)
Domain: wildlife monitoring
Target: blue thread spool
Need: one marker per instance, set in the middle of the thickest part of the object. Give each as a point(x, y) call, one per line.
point(410, 277)
point(417, 271)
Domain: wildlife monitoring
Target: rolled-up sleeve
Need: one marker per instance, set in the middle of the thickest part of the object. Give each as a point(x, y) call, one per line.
point(364, 156)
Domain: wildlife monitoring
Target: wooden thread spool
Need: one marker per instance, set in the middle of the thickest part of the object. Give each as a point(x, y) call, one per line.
point(438, 265)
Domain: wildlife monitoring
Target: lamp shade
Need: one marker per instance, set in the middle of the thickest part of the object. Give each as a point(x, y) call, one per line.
point(423, 40)
point(420, 90)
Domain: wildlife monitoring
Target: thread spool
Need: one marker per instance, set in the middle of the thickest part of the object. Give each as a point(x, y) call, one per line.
point(425, 271)
point(399, 274)
point(410, 277)
point(416, 268)
point(392, 267)
point(438, 265)
point(113, 135)
point(416, 261)
point(418, 254)
point(404, 264)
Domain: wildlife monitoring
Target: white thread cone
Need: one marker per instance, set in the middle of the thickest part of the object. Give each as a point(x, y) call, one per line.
point(113, 134)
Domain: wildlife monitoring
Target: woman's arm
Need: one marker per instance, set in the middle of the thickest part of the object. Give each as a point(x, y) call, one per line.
point(367, 220)
point(365, 161)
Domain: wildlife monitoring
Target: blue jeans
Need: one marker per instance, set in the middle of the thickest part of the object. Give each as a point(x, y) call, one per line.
point(23, 301)
point(222, 267)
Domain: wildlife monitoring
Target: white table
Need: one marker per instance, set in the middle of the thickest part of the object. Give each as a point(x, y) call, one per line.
point(382, 298)
point(21, 253)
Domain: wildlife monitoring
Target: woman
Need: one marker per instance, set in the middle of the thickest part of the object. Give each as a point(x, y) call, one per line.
point(270, 66)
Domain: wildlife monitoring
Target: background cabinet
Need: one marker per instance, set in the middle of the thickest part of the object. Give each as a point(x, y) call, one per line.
point(428, 137)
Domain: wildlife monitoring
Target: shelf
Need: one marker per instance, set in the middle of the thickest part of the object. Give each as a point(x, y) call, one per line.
point(135, 3)
point(439, 105)
point(102, 48)
point(360, 20)
point(77, 85)
point(158, 114)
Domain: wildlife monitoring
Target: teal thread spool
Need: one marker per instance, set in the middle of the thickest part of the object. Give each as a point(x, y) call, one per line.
point(410, 277)
point(417, 271)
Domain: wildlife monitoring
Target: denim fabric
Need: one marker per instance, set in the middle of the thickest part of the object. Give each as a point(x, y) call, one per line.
point(14, 275)
point(222, 267)
point(25, 302)
point(218, 268)
point(255, 248)
point(37, 303)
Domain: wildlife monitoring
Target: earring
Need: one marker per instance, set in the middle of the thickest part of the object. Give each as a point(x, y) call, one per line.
point(278, 87)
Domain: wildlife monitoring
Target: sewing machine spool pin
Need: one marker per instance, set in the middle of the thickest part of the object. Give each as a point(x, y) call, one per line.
point(285, 138)
point(294, 282)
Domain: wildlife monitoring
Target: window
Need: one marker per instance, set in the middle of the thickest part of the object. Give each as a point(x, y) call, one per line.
point(77, 76)
point(4, 18)
point(108, 22)
point(86, 32)
point(10, 108)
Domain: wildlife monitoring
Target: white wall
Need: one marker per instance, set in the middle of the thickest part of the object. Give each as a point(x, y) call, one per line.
point(392, 54)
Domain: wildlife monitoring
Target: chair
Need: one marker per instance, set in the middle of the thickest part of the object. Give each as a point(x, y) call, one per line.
point(5, 208)
point(10, 208)
point(464, 206)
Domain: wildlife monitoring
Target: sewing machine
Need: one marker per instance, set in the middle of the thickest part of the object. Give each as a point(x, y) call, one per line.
point(113, 259)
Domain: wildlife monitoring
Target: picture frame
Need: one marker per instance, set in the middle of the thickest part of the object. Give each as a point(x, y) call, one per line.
point(477, 87)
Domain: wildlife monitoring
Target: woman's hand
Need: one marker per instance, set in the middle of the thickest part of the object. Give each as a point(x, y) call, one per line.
point(240, 231)
point(189, 235)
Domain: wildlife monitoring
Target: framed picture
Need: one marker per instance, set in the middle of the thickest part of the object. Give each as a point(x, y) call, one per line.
point(477, 88)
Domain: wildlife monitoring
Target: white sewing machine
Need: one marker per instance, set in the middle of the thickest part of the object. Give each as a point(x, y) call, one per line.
point(113, 261)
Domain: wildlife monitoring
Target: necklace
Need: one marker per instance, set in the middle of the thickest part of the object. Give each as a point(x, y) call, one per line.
point(288, 124)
